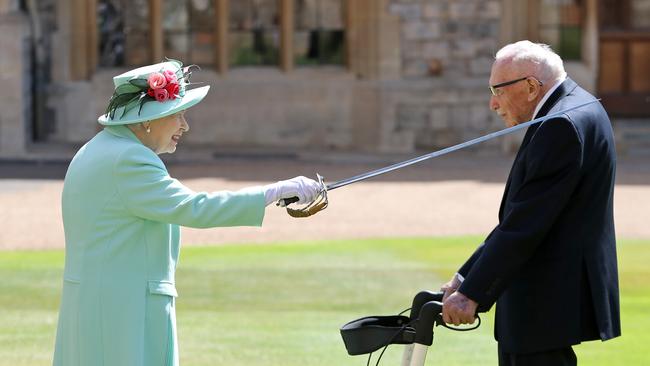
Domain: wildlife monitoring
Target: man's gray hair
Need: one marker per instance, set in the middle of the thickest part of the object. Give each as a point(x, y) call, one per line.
point(546, 64)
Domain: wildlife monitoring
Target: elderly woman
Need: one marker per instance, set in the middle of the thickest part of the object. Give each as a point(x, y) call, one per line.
point(121, 214)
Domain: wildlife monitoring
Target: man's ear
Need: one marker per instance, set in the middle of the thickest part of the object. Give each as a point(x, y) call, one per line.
point(533, 89)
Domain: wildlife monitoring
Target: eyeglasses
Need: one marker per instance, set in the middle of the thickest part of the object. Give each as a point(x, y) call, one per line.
point(495, 88)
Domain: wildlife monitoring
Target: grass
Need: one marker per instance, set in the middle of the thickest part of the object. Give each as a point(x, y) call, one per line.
point(283, 304)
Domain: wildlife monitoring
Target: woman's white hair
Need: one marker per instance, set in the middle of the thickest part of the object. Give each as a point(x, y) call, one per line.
point(546, 64)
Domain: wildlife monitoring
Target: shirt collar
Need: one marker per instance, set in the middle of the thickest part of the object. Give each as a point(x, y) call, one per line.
point(547, 95)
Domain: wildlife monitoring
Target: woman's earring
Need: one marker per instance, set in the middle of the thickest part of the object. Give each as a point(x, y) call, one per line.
point(148, 129)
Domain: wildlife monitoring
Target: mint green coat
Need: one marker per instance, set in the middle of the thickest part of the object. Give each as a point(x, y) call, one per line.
point(121, 214)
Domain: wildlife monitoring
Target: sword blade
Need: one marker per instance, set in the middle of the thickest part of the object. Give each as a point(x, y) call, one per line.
point(447, 150)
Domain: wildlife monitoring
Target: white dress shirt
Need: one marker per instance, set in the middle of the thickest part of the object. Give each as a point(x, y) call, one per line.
point(547, 95)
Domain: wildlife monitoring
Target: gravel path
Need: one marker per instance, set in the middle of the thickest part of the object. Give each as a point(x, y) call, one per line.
point(455, 195)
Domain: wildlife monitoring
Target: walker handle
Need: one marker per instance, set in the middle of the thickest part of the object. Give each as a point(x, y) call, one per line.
point(430, 315)
point(422, 298)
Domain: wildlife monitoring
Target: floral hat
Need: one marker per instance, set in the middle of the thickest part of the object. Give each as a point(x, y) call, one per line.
point(151, 92)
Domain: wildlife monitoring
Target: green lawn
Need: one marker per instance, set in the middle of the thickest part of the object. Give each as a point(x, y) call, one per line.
point(282, 304)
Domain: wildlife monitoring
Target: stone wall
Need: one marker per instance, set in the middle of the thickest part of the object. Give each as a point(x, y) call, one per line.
point(439, 53)
point(309, 109)
point(15, 94)
point(447, 49)
point(440, 98)
point(256, 108)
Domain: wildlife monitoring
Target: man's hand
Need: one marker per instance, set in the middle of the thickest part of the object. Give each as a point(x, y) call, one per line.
point(450, 287)
point(458, 309)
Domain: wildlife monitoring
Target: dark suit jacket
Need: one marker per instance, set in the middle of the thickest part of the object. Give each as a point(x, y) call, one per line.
point(550, 263)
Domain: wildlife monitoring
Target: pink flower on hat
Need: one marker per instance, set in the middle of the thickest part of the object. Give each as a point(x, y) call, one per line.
point(156, 80)
point(170, 76)
point(163, 85)
point(161, 95)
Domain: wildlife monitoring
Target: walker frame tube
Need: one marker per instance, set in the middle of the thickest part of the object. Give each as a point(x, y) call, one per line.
point(426, 311)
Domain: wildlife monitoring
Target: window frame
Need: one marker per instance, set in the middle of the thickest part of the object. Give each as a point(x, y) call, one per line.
point(87, 62)
point(360, 18)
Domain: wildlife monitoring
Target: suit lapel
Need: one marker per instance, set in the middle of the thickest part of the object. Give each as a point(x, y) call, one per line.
point(529, 134)
point(565, 88)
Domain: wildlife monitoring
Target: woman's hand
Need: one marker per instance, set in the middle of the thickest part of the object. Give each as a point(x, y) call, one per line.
point(304, 188)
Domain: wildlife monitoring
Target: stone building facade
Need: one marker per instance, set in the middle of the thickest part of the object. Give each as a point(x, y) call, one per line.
point(307, 75)
point(15, 93)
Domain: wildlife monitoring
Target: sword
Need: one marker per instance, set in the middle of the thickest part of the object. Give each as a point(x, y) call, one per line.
point(478, 140)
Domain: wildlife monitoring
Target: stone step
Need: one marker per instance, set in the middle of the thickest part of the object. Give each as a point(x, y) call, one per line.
point(632, 136)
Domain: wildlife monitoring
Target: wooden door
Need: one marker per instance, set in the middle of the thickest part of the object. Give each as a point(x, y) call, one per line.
point(624, 73)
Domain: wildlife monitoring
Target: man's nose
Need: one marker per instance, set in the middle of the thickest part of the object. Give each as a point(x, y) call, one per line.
point(494, 105)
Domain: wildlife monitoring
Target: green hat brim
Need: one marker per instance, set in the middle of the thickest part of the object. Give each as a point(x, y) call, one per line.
point(154, 110)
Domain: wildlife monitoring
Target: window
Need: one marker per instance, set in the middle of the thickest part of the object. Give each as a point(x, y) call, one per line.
point(219, 33)
point(188, 28)
point(640, 14)
point(629, 15)
point(561, 26)
point(319, 36)
point(123, 32)
point(254, 37)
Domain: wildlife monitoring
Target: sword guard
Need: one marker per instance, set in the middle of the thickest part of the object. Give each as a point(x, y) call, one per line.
point(318, 204)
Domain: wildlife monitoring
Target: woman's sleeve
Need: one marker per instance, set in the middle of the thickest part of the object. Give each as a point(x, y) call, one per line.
point(147, 190)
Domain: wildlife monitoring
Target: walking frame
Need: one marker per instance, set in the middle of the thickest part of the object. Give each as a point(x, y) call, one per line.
point(369, 334)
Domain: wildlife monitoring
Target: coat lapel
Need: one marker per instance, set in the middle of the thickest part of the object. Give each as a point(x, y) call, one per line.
point(561, 91)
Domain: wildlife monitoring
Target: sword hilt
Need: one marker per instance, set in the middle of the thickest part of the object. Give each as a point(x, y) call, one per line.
point(287, 201)
point(284, 202)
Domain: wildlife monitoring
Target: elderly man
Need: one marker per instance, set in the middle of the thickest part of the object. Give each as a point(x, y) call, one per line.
point(550, 263)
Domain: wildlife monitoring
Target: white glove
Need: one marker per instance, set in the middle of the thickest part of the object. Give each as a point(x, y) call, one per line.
point(302, 187)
